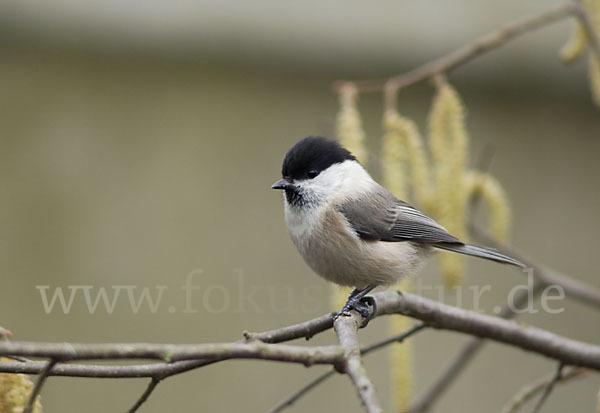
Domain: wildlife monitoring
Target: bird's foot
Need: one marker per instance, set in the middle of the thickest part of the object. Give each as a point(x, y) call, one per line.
point(365, 306)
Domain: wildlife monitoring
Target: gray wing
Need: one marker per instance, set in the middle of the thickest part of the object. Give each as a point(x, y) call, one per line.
point(379, 216)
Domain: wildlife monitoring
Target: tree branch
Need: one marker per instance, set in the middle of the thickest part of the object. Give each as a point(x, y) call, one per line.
point(435, 314)
point(465, 54)
point(443, 316)
point(142, 399)
point(174, 352)
point(292, 398)
point(38, 386)
point(548, 389)
point(346, 328)
point(305, 329)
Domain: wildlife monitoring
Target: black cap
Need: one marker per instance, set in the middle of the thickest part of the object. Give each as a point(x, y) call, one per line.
point(313, 154)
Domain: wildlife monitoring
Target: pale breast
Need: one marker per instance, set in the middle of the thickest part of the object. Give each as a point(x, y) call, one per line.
point(341, 256)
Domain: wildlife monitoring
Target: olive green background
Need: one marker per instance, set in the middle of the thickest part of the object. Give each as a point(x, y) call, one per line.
point(135, 166)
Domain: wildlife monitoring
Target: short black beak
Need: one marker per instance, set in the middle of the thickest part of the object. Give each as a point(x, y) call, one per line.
point(281, 184)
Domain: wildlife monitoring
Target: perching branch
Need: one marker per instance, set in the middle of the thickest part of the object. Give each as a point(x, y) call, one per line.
point(346, 328)
point(346, 356)
point(306, 329)
point(443, 316)
point(292, 398)
point(434, 314)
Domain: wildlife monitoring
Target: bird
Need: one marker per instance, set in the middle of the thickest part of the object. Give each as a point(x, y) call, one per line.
point(352, 231)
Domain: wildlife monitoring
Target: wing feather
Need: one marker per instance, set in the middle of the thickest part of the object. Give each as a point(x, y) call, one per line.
point(379, 216)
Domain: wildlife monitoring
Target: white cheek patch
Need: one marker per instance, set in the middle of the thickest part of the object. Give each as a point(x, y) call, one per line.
point(340, 181)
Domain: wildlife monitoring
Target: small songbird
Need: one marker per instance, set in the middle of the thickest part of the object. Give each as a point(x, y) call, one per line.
point(352, 231)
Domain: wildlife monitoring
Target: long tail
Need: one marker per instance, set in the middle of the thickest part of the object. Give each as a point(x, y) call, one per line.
point(481, 252)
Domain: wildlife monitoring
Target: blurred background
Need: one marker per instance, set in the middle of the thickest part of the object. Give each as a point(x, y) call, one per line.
point(139, 142)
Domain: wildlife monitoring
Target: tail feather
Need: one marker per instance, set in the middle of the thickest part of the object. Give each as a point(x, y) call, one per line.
point(481, 252)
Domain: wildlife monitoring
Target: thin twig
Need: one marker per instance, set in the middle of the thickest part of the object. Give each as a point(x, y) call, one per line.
point(548, 389)
point(168, 352)
point(399, 338)
point(531, 390)
point(306, 329)
point(346, 328)
point(142, 399)
point(466, 53)
point(292, 398)
point(37, 389)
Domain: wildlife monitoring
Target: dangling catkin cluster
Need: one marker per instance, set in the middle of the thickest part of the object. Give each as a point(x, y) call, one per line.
point(403, 157)
point(486, 187)
point(576, 44)
point(351, 135)
point(349, 127)
point(444, 194)
point(442, 187)
point(14, 393)
point(393, 159)
point(579, 42)
point(448, 141)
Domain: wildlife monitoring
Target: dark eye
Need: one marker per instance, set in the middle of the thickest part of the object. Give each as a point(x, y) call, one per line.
point(312, 173)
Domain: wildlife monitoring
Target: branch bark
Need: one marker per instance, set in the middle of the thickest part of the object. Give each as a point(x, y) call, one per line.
point(442, 316)
point(292, 398)
point(173, 352)
point(305, 329)
point(434, 314)
point(346, 328)
point(142, 399)
point(38, 386)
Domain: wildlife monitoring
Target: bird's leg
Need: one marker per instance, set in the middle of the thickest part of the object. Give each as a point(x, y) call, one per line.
point(353, 293)
point(357, 301)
